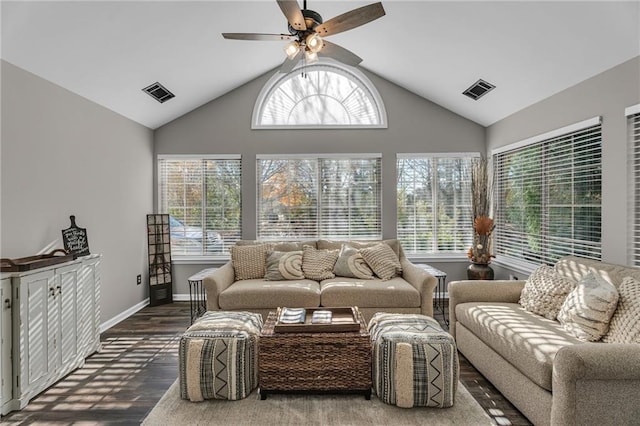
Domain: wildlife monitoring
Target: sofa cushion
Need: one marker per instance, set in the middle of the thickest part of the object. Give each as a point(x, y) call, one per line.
point(393, 293)
point(545, 291)
point(625, 323)
point(279, 245)
point(383, 261)
point(526, 340)
point(318, 264)
point(351, 264)
point(249, 261)
point(577, 267)
point(337, 244)
point(588, 309)
point(262, 294)
point(284, 265)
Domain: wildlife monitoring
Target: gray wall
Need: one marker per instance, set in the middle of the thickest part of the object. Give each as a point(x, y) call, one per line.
point(223, 126)
point(606, 95)
point(64, 155)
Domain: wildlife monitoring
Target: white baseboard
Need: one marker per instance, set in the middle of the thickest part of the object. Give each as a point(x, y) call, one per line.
point(123, 315)
point(181, 297)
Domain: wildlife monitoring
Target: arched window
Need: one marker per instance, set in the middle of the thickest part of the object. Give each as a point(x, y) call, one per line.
point(325, 94)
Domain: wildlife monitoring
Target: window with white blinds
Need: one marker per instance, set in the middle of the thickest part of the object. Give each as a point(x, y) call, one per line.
point(633, 125)
point(319, 197)
point(203, 198)
point(549, 195)
point(434, 203)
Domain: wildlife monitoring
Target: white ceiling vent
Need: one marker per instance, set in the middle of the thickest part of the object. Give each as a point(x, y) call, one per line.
point(158, 92)
point(478, 89)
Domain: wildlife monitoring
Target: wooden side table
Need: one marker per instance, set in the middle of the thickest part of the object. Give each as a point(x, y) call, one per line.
point(338, 362)
point(440, 290)
point(198, 294)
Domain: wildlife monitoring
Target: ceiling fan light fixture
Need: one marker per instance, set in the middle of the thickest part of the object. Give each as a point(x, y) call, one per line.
point(291, 49)
point(311, 57)
point(314, 42)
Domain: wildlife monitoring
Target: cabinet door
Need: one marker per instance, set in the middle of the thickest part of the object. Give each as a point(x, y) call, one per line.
point(35, 292)
point(66, 297)
point(88, 306)
point(6, 370)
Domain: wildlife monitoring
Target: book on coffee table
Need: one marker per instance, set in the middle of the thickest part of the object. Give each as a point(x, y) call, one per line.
point(293, 315)
point(321, 317)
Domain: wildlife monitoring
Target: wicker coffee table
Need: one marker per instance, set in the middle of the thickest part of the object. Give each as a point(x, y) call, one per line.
point(314, 362)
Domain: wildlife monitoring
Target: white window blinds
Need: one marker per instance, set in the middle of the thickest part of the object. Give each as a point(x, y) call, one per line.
point(549, 196)
point(434, 203)
point(633, 125)
point(312, 197)
point(202, 196)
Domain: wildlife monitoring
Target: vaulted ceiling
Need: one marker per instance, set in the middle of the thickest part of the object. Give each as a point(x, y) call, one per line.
point(108, 51)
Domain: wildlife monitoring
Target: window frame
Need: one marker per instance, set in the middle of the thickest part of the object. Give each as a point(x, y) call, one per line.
point(198, 258)
point(319, 212)
point(632, 116)
point(542, 140)
point(352, 73)
point(434, 252)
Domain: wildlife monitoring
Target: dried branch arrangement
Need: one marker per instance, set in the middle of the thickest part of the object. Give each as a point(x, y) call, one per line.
point(483, 225)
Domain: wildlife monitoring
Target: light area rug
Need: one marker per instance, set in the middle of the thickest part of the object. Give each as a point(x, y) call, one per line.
point(294, 409)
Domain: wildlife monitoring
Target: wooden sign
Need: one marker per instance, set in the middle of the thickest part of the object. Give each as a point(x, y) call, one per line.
point(75, 239)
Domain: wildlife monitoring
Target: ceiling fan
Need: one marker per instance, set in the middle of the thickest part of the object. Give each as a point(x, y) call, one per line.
point(307, 32)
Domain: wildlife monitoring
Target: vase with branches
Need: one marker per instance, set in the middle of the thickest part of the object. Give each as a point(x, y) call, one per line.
point(483, 225)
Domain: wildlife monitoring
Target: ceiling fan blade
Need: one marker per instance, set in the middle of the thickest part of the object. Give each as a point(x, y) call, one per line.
point(339, 53)
point(256, 36)
point(351, 19)
point(289, 64)
point(291, 10)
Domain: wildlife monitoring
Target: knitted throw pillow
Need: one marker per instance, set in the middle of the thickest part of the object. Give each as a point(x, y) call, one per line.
point(318, 264)
point(383, 261)
point(284, 265)
point(545, 291)
point(351, 264)
point(625, 322)
point(248, 261)
point(588, 309)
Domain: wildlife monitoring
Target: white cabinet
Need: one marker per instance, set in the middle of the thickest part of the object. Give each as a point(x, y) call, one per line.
point(55, 323)
point(31, 337)
point(6, 370)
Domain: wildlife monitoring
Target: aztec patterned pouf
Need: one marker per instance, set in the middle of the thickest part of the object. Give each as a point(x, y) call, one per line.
point(415, 362)
point(218, 356)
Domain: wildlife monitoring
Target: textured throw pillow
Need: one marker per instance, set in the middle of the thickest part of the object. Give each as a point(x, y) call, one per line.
point(284, 265)
point(351, 264)
point(383, 261)
point(588, 308)
point(318, 264)
point(625, 322)
point(248, 261)
point(545, 291)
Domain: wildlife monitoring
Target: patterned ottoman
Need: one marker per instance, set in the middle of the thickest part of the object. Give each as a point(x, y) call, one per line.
point(218, 356)
point(415, 362)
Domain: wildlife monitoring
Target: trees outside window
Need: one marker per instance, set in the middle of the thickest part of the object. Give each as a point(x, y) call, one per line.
point(203, 198)
point(549, 197)
point(310, 197)
point(434, 203)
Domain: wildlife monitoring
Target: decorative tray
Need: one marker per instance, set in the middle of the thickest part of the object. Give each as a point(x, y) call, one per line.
point(317, 320)
point(34, 262)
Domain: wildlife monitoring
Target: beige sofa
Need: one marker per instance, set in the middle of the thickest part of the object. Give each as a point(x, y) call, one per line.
point(412, 292)
point(549, 375)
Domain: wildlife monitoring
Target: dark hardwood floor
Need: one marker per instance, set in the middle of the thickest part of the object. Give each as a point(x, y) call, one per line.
point(138, 363)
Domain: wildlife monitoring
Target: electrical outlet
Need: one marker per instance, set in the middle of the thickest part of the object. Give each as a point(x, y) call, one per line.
point(513, 277)
point(139, 279)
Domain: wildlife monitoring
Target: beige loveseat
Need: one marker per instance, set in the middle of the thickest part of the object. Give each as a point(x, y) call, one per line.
point(410, 292)
point(549, 375)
